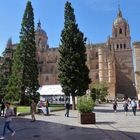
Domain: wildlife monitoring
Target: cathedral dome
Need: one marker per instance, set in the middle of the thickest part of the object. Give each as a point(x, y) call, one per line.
point(119, 20)
point(39, 30)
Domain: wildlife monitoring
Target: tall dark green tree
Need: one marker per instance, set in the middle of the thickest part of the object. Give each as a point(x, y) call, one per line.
point(5, 68)
point(73, 71)
point(23, 83)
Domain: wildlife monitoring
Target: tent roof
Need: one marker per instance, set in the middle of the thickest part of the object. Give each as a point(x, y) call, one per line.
point(51, 90)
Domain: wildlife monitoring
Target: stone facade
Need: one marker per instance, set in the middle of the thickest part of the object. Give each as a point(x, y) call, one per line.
point(109, 62)
point(136, 46)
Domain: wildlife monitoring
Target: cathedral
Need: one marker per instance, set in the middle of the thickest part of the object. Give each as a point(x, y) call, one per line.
point(110, 62)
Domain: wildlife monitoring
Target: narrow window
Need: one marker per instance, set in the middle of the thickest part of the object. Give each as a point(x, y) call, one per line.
point(121, 46)
point(96, 54)
point(124, 46)
point(117, 46)
point(120, 31)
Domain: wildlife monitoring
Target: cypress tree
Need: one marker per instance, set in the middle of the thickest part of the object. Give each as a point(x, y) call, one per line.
point(23, 83)
point(73, 71)
point(5, 69)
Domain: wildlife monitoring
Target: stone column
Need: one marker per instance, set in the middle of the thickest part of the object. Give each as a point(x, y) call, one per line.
point(111, 76)
point(136, 46)
point(101, 64)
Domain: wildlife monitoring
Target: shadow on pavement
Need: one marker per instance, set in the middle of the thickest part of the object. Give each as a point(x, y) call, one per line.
point(107, 110)
point(42, 130)
point(106, 122)
point(51, 114)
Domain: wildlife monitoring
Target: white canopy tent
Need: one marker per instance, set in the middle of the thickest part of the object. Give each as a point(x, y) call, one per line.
point(50, 90)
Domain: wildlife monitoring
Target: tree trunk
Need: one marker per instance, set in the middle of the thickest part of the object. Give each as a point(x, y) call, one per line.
point(73, 103)
point(22, 101)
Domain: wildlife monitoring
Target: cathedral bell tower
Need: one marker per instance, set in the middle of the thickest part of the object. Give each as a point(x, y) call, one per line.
point(120, 45)
point(120, 33)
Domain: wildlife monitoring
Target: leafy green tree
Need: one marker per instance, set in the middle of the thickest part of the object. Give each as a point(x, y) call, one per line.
point(5, 70)
point(23, 83)
point(73, 71)
point(99, 91)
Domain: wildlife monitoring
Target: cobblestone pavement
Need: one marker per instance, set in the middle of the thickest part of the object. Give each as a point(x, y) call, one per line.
point(109, 126)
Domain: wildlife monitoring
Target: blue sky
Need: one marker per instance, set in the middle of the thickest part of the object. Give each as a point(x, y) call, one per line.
point(94, 18)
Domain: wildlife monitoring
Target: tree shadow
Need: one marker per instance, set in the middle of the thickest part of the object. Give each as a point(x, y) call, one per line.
point(43, 130)
point(105, 122)
point(107, 110)
point(50, 114)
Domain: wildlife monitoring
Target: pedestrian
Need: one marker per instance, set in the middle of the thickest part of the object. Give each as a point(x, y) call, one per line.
point(139, 104)
point(134, 106)
point(8, 118)
point(67, 108)
point(115, 106)
point(125, 105)
point(47, 107)
point(2, 107)
point(33, 110)
point(40, 105)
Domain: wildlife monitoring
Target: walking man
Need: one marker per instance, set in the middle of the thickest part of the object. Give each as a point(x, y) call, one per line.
point(134, 106)
point(33, 111)
point(67, 108)
point(8, 118)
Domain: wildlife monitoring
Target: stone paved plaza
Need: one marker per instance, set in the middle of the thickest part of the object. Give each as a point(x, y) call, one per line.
point(109, 126)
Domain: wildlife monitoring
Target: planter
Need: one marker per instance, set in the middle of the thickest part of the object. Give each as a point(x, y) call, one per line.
point(87, 118)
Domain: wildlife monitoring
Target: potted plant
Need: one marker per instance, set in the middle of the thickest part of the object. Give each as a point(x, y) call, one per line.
point(85, 107)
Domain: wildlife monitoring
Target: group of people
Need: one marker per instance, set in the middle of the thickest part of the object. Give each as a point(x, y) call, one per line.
point(40, 107)
point(43, 105)
point(10, 112)
point(128, 103)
